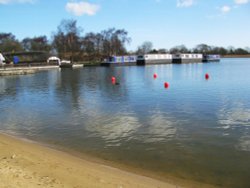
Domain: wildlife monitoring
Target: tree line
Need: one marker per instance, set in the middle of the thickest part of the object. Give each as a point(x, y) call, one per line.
point(147, 47)
point(67, 42)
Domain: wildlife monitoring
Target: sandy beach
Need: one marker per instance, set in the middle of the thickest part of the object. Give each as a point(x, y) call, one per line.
point(27, 164)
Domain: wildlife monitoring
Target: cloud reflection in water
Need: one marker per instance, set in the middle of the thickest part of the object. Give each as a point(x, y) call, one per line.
point(114, 129)
point(161, 128)
point(234, 117)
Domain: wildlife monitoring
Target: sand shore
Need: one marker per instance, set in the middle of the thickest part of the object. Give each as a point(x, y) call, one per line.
point(30, 165)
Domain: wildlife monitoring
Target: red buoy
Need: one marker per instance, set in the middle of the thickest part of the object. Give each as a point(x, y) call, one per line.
point(166, 85)
point(113, 80)
point(155, 75)
point(206, 76)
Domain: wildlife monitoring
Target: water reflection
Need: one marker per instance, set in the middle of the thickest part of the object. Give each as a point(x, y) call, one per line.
point(244, 143)
point(114, 129)
point(230, 118)
point(160, 128)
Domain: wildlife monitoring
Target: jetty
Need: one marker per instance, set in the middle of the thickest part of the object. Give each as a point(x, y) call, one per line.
point(16, 72)
point(9, 71)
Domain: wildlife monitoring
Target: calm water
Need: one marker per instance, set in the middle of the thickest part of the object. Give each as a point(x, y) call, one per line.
point(196, 129)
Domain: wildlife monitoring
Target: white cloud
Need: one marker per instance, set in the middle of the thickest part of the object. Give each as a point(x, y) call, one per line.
point(81, 8)
point(16, 1)
point(185, 3)
point(225, 9)
point(241, 1)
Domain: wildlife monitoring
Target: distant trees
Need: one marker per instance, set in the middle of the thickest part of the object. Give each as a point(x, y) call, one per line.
point(162, 51)
point(92, 46)
point(114, 41)
point(67, 39)
point(179, 49)
point(240, 51)
point(36, 44)
point(145, 48)
point(206, 49)
point(9, 43)
point(202, 48)
point(69, 43)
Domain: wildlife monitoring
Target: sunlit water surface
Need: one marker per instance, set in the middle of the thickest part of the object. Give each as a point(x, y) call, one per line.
point(197, 129)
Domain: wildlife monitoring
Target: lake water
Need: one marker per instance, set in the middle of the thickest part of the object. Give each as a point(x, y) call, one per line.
point(196, 129)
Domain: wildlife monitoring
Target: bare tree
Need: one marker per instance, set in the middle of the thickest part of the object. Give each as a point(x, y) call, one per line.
point(114, 41)
point(67, 39)
point(145, 48)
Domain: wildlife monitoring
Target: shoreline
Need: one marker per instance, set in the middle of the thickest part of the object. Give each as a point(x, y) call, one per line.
point(25, 163)
point(236, 56)
point(12, 71)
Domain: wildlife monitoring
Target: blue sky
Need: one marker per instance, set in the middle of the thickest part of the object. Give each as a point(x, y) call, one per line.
point(166, 23)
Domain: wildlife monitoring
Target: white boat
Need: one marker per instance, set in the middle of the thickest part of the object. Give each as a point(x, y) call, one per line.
point(154, 59)
point(65, 64)
point(54, 59)
point(61, 63)
point(187, 58)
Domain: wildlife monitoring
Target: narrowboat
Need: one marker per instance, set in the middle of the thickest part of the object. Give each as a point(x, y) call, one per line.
point(149, 59)
point(120, 61)
point(211, 58)
point(187, 58)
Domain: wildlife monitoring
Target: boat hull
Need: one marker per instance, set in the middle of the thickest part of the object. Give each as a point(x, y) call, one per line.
point(154, 61)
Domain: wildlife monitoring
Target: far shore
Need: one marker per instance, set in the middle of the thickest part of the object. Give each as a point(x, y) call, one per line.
point(31, 68)
point(236, 56)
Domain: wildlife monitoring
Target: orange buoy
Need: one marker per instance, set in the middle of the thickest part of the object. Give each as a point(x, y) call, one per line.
point(155, 76)
point(206, 76)
point(166, 85)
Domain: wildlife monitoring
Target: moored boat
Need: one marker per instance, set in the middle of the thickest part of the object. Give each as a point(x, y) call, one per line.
point(187, 58)
point(154, 59)
point(211, 58)
point(120, 61)
point(65, 64)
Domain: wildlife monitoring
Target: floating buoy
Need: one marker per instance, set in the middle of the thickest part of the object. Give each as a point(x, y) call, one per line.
point(113, 80)
point(166, 85)
point(155, 75)
point(206, 76)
